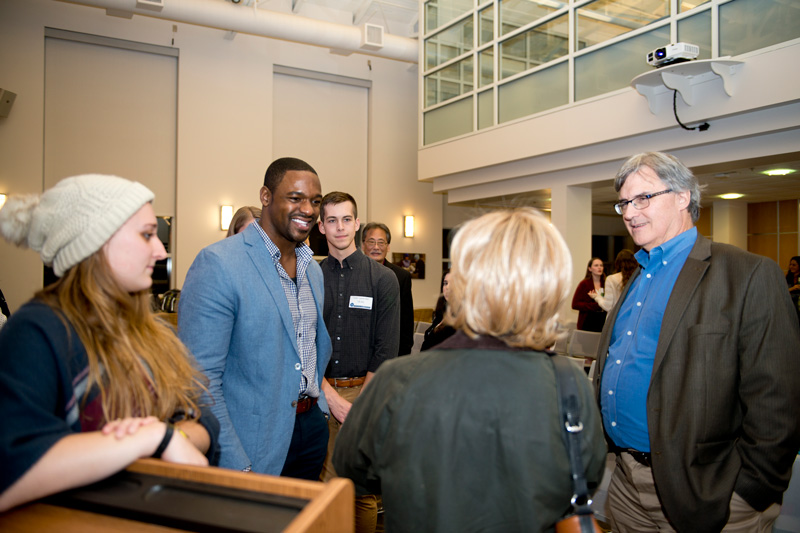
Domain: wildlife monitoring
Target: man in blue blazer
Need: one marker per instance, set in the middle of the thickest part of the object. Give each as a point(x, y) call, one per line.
point(251, 313)
point(699, 383)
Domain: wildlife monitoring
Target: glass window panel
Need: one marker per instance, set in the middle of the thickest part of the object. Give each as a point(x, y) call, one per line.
point(486, 58)
point(517, 13)
point(747, 25)
point(535, 47)
point(449, 82)
point(448, 121)
point(697, 30)
point(531, 94)
point(684, 6)
point(485, 109)
point(449, 89)
point(486, 25)
point(431, 91)
point(613, 67)
point(449, 43)
point(602, 20)
point(440, 12)
point(509, 67)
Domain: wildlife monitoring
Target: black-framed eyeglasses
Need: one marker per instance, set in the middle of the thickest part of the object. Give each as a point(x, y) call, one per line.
point(639, 202)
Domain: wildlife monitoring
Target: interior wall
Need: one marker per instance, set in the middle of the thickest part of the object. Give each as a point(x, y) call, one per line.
point(129, 132)
point(335, 146)
point(224, 134)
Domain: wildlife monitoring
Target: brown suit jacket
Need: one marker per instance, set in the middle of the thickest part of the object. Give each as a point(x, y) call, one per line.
point(723, 406)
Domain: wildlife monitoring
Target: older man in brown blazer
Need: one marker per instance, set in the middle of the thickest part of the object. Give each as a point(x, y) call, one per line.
point(699, 369)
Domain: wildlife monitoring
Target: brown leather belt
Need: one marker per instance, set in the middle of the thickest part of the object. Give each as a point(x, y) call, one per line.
point(346, 382)
point(304, 403)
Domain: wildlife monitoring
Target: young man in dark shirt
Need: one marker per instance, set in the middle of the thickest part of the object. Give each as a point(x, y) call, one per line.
point(362, 314)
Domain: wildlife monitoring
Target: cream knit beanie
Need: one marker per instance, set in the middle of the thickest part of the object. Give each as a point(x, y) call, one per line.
point(72, 220)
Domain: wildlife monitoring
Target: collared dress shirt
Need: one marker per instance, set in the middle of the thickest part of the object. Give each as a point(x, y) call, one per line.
point(626, 376)
point(362, 313)
point(304, 311)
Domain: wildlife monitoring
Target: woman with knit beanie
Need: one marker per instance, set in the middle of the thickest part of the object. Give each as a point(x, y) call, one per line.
point(90, 379)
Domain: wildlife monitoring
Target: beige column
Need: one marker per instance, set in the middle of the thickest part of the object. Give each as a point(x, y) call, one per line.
point(572, 216)
point(729, 222)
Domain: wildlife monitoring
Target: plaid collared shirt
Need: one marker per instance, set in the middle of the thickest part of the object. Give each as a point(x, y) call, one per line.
point(304, 310)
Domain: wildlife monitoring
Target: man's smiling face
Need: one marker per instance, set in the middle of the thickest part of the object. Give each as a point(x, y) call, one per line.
point(292, 209)
point(666, 215)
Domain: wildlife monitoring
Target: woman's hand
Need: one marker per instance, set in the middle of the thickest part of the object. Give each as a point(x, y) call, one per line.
point(593, 294)
point(122, 427)
point(181, 450)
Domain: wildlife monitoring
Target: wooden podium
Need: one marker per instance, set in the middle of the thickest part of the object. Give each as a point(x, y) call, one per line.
point(156, 496)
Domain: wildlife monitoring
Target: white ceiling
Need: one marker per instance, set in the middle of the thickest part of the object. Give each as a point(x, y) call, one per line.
point(398, 17)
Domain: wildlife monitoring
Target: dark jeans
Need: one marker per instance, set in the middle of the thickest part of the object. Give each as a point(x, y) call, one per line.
point(309, 446)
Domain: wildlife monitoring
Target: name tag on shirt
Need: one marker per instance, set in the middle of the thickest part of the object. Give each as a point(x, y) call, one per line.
point(360, 302)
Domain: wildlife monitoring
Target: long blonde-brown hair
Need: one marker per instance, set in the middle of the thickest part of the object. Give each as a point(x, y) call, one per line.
point(136, 361)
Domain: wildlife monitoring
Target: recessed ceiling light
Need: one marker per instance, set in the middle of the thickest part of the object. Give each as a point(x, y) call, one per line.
point(778, 171)
point(731, 196)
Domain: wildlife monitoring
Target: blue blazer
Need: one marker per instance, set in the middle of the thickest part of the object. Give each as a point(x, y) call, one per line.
point(234, 318)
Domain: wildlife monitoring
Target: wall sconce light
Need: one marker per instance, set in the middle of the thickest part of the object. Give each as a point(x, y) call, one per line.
point(2, 200)
point(225, 216)
point(408, 225)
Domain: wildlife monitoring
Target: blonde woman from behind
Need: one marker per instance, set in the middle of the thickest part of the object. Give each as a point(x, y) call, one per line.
point(466, 437)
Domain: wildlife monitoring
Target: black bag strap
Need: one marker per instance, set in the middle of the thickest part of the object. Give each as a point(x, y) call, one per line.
point(569, 408)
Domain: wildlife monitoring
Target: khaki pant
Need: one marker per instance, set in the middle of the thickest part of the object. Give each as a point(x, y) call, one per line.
point(366, 506)
point(634, 505)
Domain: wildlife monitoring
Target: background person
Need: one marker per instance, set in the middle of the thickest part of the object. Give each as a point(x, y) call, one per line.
point(624, 266)
point(243, 217)
point(793, 282)
point(375, 243)
point(89, 378)
point(439, 330)
point(591, 316)
point(468, 436)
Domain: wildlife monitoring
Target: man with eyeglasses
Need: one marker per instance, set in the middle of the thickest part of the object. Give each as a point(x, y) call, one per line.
point(699, 383)
point(375, 240)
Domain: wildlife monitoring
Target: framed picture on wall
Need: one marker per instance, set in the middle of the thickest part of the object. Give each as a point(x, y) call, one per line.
point(413, 262)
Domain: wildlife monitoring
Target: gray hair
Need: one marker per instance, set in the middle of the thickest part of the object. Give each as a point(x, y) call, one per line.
point(670, 170)
point(376, 225)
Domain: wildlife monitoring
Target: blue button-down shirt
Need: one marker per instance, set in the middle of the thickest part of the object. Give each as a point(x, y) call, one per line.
point(634, 339)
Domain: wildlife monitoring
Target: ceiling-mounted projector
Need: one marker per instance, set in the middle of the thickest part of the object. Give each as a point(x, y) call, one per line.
point(672, 53)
